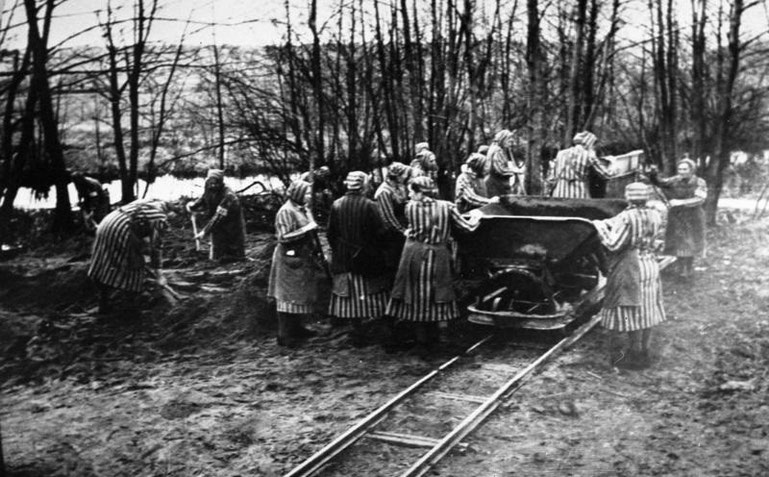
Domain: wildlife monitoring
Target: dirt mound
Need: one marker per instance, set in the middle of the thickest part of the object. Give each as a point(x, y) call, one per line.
point(54, 289)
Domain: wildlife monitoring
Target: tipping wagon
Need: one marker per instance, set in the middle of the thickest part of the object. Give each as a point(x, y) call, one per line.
point(535, 260)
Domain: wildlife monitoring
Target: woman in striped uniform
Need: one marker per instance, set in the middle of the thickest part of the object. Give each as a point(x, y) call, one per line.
point(227, 225)
point(360, 289)
point(296, 269)
point(423, 291)
point(633, 300)
point(425, 164)
point(569, 172)
point(685, 235)
point(506, 175)
point(391, 197)
point(122, 238)
point(470, 191)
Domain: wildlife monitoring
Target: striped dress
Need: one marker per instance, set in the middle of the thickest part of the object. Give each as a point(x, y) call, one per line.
point(470, 192)
point(499, 180)
point(352, 229)
point(294, 275)
point(389, 201)
point(121, 239)
point(423, 289)
point(630, 236)
point(569, 172)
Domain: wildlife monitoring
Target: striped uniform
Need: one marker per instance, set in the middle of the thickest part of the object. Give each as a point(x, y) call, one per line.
point(568, 172)
point(389, 200)
point(498, 161)
point(429, 222)
point(470, 192)
point(635, 228)
point(352, 228)
point(291, 295)
point(118, 251)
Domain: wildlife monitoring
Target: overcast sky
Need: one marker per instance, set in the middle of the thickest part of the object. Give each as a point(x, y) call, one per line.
point(260, 22)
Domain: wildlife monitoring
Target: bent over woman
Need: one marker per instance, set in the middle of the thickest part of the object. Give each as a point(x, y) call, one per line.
point(296, 271)
point(122, 238)
point(633, 300)
point(423, 292)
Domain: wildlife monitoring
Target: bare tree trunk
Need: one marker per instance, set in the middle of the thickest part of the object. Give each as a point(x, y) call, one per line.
point(575, 80)
point(38, 43)
point(536, 90)
point(699, 19)
point(316, 157)
point(719, 159)
point(219, 107)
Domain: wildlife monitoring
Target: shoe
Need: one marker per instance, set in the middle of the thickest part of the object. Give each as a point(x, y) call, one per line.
point(288, 342)
point(304, 333)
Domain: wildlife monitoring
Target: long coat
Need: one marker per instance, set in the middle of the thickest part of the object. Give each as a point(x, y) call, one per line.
point(633, 299)
point(685, 236)
point(296, 272)
point(391, 203)
point(360, 287)
point(423, 285)
point(226, 224)
point(569, 172)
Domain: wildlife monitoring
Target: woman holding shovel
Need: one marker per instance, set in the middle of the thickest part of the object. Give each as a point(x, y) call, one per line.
point(226, 225)
point(122, 239)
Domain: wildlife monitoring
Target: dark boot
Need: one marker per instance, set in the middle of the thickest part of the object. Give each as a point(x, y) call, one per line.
point(287, 330)
point(105, 305)
point(299, 331)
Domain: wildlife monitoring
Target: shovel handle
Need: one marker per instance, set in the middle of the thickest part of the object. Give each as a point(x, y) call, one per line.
point(195, 231)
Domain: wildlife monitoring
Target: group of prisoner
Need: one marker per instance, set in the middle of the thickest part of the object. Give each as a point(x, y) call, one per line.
point(391, 248)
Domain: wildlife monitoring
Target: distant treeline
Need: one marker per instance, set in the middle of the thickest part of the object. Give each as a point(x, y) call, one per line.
point(359, 90)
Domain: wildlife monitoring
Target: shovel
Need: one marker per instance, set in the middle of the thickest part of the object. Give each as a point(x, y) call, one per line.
point(195, 231)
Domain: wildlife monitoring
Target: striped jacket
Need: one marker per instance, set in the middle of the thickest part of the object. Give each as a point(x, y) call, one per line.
point(353, 226)
point(470, 192)
point(390, 201)
point(633, 290)
point(569, 172)
point(121, 239)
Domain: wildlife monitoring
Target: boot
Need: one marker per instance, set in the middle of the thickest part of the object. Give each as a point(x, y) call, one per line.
point(358, 335)
point(300, 331)
point(105, 306)
point(286, 330)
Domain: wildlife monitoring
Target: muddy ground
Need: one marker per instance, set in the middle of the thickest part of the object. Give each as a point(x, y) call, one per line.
point(199, 387)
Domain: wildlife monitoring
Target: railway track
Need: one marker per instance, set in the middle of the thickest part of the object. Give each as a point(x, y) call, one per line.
point(414, 430)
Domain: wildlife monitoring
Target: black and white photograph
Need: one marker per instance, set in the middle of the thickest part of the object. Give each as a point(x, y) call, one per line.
point(373, 238)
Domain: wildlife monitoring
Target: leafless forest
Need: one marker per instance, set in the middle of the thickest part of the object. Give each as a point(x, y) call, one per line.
point(358, 86)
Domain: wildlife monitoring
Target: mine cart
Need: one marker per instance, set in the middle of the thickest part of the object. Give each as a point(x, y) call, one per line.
point(533, 260)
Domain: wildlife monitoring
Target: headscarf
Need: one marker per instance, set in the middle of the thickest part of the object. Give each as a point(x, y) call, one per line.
point(637, 192)
point(427, 161)
point(424, 185)
point(397, 170)
point(297, 191)
point(216, 174)
point(689, 162)
point(502, 136)
point(586, 138)
point(355, 180)
point(421, 146)
point(483, 149)
point(476, 162)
